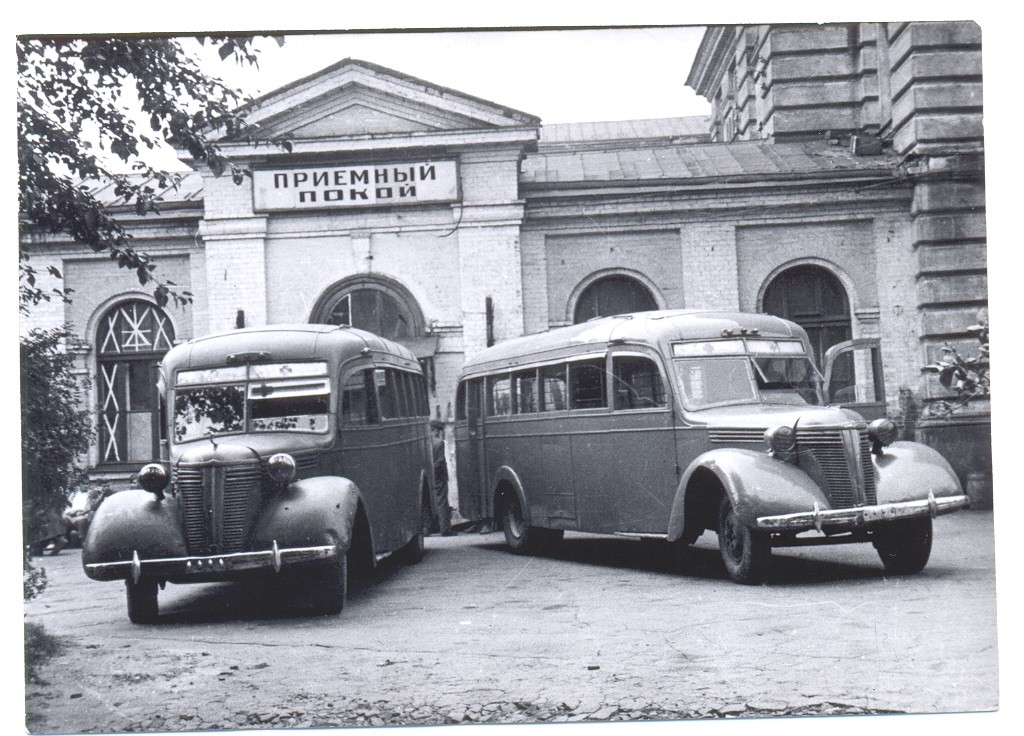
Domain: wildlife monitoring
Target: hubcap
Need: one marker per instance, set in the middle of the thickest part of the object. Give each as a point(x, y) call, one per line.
point(733, 537)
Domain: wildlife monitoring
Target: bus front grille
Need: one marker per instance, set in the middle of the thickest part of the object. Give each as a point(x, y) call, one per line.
point(218, 505)
point(840, 460)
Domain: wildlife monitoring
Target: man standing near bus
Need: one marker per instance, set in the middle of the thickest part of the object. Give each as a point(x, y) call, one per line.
point(441, 507)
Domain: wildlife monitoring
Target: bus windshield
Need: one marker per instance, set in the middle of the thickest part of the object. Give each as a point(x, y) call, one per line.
point(265, 403)
point(741, 379)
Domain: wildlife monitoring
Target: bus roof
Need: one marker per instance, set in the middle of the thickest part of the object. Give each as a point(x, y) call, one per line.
point(277, 343)
point(658, 328)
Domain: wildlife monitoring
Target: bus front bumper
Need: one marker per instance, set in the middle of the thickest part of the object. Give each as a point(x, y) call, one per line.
point(862, 516)
point(207, 566)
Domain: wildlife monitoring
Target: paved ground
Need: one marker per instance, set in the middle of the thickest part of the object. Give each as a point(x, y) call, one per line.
point(606, 629)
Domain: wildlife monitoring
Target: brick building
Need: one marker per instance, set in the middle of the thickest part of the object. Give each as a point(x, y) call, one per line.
point(838, 181)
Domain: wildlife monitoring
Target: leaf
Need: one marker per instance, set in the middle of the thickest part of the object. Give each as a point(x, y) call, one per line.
point(160, 294)
point(226, 50)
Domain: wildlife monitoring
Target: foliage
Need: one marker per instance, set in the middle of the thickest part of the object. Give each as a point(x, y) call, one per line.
point(55, 431)
point(966, 377)
point(91, 109)
point(40, 646)
point(33, 578)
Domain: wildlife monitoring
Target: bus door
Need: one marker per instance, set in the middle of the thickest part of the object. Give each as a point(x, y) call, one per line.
point(853, 377)
point(469, 452)
point(624, 453)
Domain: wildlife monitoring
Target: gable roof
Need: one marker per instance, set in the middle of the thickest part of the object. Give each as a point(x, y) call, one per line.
point(358, 98)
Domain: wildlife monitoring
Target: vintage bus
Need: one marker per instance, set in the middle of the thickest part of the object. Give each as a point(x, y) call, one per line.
point(297, 451)
point(662, 425)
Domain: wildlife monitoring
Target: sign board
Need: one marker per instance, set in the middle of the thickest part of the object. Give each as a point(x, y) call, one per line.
point(372, 185)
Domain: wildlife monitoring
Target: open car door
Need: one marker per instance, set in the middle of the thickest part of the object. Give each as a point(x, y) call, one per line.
point(853, 377)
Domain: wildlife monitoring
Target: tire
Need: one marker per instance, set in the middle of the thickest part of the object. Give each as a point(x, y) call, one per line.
point(745, 551)
point(142, 601)
point(413, 551)
point(330, 586)
point(904, 547)
point(520, 536)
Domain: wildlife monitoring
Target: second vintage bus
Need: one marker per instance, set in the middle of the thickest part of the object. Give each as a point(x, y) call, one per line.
point(666, 424)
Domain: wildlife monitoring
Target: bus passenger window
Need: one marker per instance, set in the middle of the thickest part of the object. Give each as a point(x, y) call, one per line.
point(553, 392)
point(460, 401)
point(407, 405)
point(355, 409)
point(525, 385)
point(387, 401)
point(586, 384)
point(473, 398)
point(637, 383)
point(499, 397)
point(420, 388)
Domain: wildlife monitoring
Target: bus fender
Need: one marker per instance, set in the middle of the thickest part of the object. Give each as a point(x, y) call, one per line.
point(504, 475)
point(134, 520)
point(310, 512)
point(908, 471)
point(757, 484)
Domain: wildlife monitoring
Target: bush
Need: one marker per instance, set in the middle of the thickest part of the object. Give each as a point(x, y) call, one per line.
point(966, 376)
point(56, 430)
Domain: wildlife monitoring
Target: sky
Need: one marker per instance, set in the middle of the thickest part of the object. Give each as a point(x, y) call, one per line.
point(560, 76)
point(570, 76)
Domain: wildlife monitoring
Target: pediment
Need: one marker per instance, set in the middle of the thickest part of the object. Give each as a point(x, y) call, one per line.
point(355, 98)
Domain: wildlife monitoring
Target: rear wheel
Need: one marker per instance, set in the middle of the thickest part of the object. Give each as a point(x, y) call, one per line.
point(520, 536)
point(745, 551)
point(904, 547)
point(413, 551)
point(142, 601)
point(330, 586)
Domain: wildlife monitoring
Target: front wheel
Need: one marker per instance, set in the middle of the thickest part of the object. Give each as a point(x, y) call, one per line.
point(330, 586)
point(142, 601)
point(904, 547)
point(745, 551)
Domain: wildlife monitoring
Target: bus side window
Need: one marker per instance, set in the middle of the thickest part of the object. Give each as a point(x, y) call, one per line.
point(419, 383)
point(636, 383)
point(553, 388)
point(355, 407)
point(473, 398)
point(407, 401)
point(524, 385)
point(387, 402)
point(586, 384)
point(499, 396)
point(460, 401)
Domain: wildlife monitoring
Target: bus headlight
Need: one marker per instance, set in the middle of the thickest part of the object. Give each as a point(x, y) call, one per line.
point(153, 478)
point(780, 439)
point(882, 433)
point(282, 468)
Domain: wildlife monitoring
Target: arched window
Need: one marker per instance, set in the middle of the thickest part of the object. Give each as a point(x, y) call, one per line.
point(615, 294)
point(373, 304)
point(131, 339)
point(815, 299)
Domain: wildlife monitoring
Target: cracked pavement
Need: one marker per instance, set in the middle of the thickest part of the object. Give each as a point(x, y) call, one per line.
point(604, 629)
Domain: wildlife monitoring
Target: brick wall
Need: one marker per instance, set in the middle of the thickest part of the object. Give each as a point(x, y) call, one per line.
point(655, 255)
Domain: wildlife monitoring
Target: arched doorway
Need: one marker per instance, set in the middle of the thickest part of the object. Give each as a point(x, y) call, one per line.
point(131, 339)
point(384, 307)
point(814, 298)
point(374, 304)
point(613, 294)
